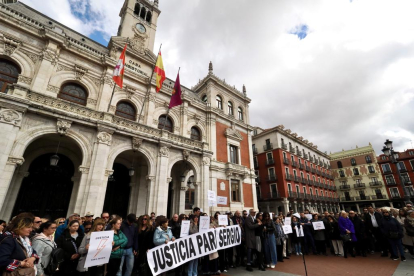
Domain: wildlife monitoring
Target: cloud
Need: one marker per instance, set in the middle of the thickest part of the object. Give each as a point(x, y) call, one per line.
point(348, 82)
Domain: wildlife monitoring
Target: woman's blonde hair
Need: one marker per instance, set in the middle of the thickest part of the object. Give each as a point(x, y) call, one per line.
point(97, 222)
point(23, 220)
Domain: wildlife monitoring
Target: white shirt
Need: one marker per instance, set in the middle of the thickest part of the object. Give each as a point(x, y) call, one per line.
point(373, 220)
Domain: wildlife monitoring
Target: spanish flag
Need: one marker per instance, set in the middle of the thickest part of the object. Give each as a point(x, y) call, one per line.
point(159, 71)
point(118, 75)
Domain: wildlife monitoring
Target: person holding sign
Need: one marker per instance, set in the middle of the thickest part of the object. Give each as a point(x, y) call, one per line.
point(193, 264)
point(319, 236)
point(98, 225)
point(120, 241)
point(307, 231)
point(163, 234)
point(295, 239)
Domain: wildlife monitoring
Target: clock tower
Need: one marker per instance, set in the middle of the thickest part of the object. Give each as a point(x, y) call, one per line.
point(139, 23)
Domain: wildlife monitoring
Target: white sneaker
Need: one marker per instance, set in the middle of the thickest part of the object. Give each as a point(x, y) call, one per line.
point(272, 266)
point(300, 253)
point(224, 270)
point(267, 265)
point(297, 254)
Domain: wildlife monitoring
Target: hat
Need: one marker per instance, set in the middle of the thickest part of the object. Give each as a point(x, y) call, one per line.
point(74, 215)
point(89, 214)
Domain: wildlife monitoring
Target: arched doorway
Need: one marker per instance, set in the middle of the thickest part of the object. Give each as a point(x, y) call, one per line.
point(117, 191)
point(46, 192)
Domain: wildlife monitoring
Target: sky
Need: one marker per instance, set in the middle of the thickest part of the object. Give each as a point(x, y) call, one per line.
point(337, 72)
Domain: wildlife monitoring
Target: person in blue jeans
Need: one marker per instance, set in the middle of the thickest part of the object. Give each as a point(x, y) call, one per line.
point(269, 241)
point(130, 251)
point(393, 232)
point(193, 264)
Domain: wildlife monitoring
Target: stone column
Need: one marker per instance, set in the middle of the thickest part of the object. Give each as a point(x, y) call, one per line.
point(183, 118)
point(285, 203)
point(105, 93)
point(150, 184)
point(76, 184)
point(149, 110)
point(12, 193)
point(202, 197)
point(81, 189)
point(142, 191)
point(98, 176)
point(160, 199)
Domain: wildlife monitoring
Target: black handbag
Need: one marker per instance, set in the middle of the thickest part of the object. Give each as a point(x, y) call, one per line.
point(346, 238)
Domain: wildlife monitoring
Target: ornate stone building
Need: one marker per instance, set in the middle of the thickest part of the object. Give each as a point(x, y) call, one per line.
point(54, 107)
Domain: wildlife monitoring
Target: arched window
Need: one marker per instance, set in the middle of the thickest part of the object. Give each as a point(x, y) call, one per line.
point(149, 16)
point(137, 8)
point(353, 162)
point(9, 72)
point(167, 121)
point(240, 113)
point(368, 159)
point(126, 110)
point(230, 107)
point(339, 163)
point(195, 134)
point(143, 12)
point(73, 92)
point(219, 102)
point(204, 98)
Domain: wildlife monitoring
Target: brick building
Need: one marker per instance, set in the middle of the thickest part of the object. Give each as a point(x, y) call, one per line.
point(358, 178)
point(291, 172)
point(391, 179)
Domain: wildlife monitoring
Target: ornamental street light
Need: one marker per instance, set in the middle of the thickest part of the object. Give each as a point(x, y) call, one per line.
point(388, 150)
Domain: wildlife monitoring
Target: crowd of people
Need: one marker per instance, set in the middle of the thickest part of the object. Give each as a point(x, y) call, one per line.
point(31, 244)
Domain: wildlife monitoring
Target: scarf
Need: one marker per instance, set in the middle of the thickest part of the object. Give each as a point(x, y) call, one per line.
point(27, 245)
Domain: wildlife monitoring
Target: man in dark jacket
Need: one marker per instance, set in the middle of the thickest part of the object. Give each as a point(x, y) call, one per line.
point(238, 220)
point(250, 226)
point(393, 233)
point(359, 233)
point(130, 230)
point(308, 233)
point(373, 223)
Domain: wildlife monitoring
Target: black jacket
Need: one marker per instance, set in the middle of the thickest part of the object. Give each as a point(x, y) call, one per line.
point(66, 242)
point(175, 228)
point(390, 224)
point(358, 226)
point(131, 232)
point(333, 233)
point(368, 221)
point(12, 251)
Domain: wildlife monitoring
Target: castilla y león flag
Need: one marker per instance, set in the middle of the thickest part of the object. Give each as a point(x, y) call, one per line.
point(159, 71)
point(176, 93)
point(118, 75)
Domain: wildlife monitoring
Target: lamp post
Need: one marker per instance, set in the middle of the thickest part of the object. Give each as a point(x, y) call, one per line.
point(388, 150)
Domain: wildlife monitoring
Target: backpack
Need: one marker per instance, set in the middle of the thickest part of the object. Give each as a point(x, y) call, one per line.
point(56, 258)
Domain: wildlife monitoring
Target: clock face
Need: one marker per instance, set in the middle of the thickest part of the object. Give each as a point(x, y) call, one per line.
point(141, 28)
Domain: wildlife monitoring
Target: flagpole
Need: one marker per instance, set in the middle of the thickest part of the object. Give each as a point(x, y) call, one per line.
point(168, 112)
point(149, 85)
point(112, 95)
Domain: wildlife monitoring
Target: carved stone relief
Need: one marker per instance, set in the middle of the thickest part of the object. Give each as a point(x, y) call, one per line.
point(104, 138)
point(63, 126)
point(10, 116)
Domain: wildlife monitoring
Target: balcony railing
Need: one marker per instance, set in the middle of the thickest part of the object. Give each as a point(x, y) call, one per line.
point(362, 197)
point(255, 151)
point(296, 178)
point(270, 161)
point(268, 146)
point(350, 198)
point(272, 178)
point(318, 172)
point(407, 182)
point(307, 168)
point(313, 170)
point(304, 180)
point(375, 183)
point(284, 146)
point(311, 158)
point(378, 196)
point(310, 182)
point(342, 175)
point(293, 194)
point(275, 195)
point(301, 195)
point(301, 166)
point(403, 169)
point(395, 196)
point(286, 161)
point(292, 149)
point(294, 164)
point(391, 182)
point(359, 186)
point(369, 161)
point(387, 171)
point(288, 176)
point(344, 187)
point(299, 153)
point(305, 156)
point(371, 171)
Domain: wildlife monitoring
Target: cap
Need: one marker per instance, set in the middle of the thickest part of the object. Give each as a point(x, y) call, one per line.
point(88, 214)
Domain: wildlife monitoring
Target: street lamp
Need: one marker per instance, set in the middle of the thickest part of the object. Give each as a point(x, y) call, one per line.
point(388, 150)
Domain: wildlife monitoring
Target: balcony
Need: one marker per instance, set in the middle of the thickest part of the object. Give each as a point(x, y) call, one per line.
point(356, 173)
point(307, 168)
point(407, 182)
point(344, 187)
point(301, 195)
point(275, 195)
point(313, 170)
point(311, 158)
point(349, 198)
point(359, 186)
point(387, 172)
point(284, 146)
point(255, 151)
point(395, 196)
point(270, 162)
point(371, 171)
point(403, 170)
point(375, 184)
point(299, 153)
point(369, 161)
point(294, 164)
point(378, 196)
point(305, 156)
point(268, 146)
point(293, 194)
point(342, 175)
point(303, 180)
point(286, 161)
point(301, 166)
point(318, 172)
point(288, 177)
point(296, 178)
point(272, 178)
point(362, 197)
point(292, 149)
point(391, 182)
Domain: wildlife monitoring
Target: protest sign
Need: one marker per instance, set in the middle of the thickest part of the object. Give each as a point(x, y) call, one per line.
point(223, 220)
point(222, 200)
point(318, 225)
point(175, 253)
point(287, 229)
point(308, 216)
point(185, 228)
point(100, 247)
point(204, 223)
point(299, 231)
point(211, 195)
point(288, 220)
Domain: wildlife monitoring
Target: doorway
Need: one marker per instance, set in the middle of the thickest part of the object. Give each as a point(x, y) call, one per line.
point(117, 191)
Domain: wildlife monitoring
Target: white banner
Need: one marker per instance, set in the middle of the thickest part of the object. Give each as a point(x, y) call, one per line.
point(318, 225)
point(100, 247)
point(173, 254)
point(308, 216)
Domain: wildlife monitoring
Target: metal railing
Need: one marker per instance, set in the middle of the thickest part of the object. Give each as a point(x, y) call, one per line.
point(375, 183)
point(359, 186)
point(270, 161)
point(268, 146)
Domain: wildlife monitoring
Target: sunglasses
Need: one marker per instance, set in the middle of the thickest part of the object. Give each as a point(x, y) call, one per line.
point(61, 222)
point(144, 219)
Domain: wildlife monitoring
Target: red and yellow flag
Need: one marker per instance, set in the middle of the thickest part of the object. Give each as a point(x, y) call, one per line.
point(118, 75)
point(159, 71)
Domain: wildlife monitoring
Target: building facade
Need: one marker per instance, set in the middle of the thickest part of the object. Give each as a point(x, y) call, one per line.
point(291, 173)
point(55, 99)
point(358, 178)
point(391, 177)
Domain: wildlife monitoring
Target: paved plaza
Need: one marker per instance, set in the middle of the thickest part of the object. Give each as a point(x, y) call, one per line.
point(372, 265)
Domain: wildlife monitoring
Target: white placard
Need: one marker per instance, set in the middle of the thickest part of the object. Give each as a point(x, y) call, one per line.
point(287, 229)
point(299, 231)
point(271, 216)
point(100, 247)
point(318, 225)
point(211, 203)
point(288, 220)
point(223, 220)
point(204, 223)
point(308, 216)
point(211, 195)
point(185, 228)
point(296, 215)
point(222, 200)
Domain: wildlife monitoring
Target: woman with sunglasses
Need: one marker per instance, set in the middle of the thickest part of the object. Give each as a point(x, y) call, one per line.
point(98, 225)
point(145, 236)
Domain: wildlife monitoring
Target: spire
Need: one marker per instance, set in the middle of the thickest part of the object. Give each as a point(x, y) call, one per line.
point(244, 89)
point(210, 68)
point(156, 3)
